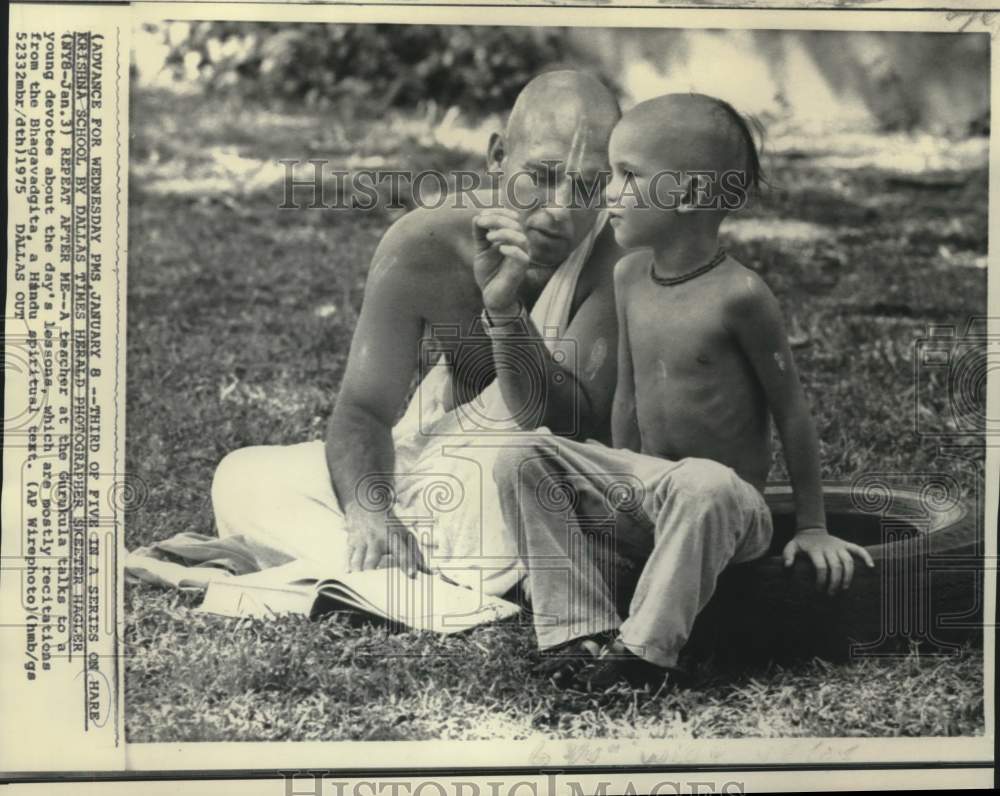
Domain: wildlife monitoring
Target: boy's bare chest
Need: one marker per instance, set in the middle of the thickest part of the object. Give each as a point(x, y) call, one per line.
point(683, 332)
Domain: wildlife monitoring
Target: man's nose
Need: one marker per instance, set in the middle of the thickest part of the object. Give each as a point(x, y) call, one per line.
point(560, 199)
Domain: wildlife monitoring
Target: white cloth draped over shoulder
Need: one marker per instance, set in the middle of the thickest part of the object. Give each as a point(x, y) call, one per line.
point(442, 484)
point(444, 459)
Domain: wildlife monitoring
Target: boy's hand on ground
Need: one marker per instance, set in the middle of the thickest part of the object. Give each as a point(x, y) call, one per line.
point(501, 258)
point(373, 537)
point(832, 557)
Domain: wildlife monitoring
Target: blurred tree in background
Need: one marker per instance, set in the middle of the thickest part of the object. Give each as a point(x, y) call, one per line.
point(825, 80)
point(482, 69)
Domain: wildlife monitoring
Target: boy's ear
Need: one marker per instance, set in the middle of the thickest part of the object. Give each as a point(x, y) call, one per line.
point(691, 185)
point(699, 192)
point(496, 152)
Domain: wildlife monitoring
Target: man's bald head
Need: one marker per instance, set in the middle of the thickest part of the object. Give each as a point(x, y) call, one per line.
point(556, 139)
point(562, 100)
point(695, 132)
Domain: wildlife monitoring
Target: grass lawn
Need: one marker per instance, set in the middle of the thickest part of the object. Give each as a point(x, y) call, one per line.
point(239, 320)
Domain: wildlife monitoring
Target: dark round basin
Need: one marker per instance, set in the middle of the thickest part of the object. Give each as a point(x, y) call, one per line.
point(925, 588)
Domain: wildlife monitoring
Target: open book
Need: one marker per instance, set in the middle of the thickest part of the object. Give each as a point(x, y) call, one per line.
point(426, 602)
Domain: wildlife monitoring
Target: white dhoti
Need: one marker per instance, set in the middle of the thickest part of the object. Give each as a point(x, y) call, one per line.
point(281, 497)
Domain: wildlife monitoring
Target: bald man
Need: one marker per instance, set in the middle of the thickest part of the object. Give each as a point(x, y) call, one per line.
point(465, 276)
point(703, 366)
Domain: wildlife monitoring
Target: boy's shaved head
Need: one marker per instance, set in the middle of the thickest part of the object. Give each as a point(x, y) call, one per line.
point(695, 132)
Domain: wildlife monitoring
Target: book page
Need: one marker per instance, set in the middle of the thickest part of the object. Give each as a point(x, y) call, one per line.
point(288, 588)
point(425, 602)
point(233, 599)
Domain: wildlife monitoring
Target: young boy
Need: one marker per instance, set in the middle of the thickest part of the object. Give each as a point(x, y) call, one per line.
point(703, 364)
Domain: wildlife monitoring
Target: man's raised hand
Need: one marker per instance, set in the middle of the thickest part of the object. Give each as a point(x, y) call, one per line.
point(502, 258)
point(832, 557)
point(373, 535)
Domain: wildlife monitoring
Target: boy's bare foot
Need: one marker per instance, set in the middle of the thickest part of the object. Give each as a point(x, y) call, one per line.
point(561, 664)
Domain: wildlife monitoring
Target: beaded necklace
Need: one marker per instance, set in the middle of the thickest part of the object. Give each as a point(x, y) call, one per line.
point(676, 280)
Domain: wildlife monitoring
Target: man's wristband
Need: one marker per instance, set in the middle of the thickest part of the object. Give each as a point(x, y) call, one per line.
point(812, 528)
point(504, 324)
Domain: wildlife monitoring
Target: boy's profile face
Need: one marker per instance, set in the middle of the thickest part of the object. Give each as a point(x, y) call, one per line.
point(643, 191)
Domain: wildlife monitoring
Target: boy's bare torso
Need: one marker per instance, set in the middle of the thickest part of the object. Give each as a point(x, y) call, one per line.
point(695, 391)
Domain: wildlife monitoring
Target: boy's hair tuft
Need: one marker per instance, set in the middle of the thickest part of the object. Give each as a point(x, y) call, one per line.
point(746, 127)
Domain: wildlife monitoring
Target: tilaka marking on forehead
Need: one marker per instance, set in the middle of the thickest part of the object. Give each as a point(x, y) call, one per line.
point(577, 147)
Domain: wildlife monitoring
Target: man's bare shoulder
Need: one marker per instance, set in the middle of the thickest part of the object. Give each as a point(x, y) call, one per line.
point(425, 241)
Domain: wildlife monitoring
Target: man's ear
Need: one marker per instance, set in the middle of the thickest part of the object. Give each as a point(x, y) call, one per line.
point(496, 152)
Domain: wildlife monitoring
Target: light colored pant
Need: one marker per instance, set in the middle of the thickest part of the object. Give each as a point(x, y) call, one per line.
point(573, 503)
point(281, 495)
